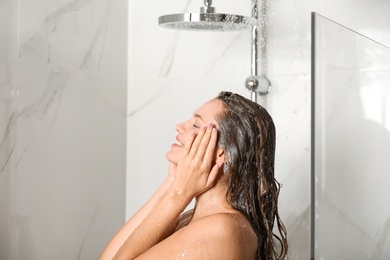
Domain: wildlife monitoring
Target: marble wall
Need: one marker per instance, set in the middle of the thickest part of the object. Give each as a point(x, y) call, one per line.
point(171, 73)
point(63, 84)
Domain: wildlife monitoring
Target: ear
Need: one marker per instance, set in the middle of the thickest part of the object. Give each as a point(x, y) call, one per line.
point(220, 155)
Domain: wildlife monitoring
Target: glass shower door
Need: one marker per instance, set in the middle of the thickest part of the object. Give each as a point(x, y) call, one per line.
point(351, 144)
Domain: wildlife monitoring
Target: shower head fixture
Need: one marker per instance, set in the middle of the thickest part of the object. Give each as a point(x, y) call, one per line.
point(206, 20)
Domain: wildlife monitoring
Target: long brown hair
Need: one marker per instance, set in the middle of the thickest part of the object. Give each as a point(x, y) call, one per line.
point(247, 133)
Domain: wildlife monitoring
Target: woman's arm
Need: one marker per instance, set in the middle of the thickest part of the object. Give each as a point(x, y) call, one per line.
point(157, 226)
point(194, 175)
point(118, 240)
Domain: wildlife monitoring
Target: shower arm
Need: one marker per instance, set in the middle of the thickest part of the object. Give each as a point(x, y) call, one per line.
point(207, 7)
point(256, 84)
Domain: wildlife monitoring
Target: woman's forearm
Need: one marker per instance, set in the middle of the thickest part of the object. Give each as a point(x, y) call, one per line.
point(118, 240)
point(156, 226)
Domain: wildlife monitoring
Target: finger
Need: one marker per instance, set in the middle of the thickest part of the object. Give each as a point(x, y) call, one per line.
point(213, 175)
point(195, 145)
point(210, 149)
point(188, 145)
point(204, 143)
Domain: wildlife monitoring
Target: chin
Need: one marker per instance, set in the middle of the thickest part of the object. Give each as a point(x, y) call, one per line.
point(171, 157)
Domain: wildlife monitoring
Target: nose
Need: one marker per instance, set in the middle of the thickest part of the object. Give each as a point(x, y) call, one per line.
point(183, 126)
point(180, 127)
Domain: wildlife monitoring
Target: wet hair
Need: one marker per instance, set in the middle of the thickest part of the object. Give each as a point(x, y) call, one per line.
point(247, 134)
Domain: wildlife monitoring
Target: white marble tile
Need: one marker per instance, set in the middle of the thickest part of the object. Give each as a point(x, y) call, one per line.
point(64, 155)
point(62, 128)
point(9, 13)
point(81, 34)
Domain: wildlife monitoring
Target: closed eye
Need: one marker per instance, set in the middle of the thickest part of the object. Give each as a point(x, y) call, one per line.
point(195, 126)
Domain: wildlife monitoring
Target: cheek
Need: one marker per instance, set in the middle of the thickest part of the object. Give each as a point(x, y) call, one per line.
point(189, 135)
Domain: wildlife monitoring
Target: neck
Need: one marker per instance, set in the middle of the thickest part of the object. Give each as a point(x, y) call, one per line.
point(211, 202)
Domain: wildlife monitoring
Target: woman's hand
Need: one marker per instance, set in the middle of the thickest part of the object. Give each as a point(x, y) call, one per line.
point(195, 172)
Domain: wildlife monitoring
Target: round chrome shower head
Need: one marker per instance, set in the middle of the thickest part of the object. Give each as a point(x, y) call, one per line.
point(206, 22)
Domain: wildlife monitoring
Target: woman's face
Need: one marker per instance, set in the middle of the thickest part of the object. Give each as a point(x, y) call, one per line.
point(202, 116)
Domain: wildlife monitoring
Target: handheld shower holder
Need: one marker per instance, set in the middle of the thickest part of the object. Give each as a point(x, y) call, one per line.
point(258, 84)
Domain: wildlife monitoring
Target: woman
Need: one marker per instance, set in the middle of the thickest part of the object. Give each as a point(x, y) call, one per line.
point(224, 157)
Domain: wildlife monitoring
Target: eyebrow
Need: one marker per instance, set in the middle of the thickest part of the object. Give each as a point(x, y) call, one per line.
point(200, 117)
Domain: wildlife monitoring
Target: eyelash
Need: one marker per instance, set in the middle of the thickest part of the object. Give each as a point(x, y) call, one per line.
point(195, 126)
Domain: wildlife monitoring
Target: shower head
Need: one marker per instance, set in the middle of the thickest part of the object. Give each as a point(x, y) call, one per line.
point(206, 20)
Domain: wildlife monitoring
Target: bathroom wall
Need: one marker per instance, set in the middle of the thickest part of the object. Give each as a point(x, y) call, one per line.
point(63, 84)
point(171, 73)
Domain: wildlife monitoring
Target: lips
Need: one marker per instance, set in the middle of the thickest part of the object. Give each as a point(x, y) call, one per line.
point(178, 142)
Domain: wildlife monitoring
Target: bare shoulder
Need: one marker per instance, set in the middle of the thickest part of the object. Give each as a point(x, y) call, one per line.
point(217, 236)
point(224, 236)
point(233, 225)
